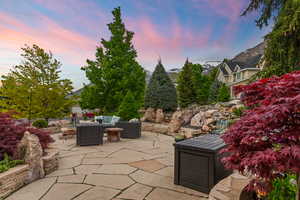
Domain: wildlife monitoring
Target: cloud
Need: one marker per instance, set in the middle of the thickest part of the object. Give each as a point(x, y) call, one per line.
point(72, 46)
point(151, 42)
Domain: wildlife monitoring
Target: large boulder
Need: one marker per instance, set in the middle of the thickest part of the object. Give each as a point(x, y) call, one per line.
point(176, 122)
point(160, 117)
point(198, 119)
point(30, 150)
point(149, 115)
point(187, 115)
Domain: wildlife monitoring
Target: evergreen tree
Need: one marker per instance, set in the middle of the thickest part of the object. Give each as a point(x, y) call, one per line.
point(34, 88)
point(223, 93)
point(187, 88)
point(214, 91)
point(128, 108)
point(115, 70)
point(161, 92)
point(282, 53)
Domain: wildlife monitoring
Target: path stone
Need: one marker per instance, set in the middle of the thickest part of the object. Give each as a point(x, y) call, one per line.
point(69, 162)
point(113, 181)
point(115, 169)
point(86, 169)
point(148, 165)
point(164, 194)
point(96, 155)
point(65, 191)
point(71, 179)
point(168, 171)
point(98, 193)
point(136, 192)
point(156, 180)
point(61, 172)
point(33, 191)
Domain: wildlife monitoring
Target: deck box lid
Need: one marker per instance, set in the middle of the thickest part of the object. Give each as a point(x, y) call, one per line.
point(208, 142)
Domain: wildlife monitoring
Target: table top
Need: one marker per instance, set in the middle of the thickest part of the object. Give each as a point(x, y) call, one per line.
point(114, 129)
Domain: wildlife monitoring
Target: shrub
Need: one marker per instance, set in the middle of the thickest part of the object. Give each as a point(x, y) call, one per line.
point(284, 187)
point(11, 133)
point(238, 112)
point(223, 93)
point(8, 163)
point(161, 92)
point(129, 108)
point(265, 141)
point(40, 123)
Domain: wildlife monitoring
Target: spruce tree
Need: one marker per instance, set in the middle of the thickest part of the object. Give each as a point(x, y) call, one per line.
point(161, 92)
point(186, 88)
point(115, 70)
point(128, 108)
point(214, 91)
point(223, 93)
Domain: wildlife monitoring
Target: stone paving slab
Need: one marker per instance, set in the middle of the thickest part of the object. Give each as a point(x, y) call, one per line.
point(163, 194)
point(136, 192)
point(61, 172)
point(167, 171)
point(33, 191)
point(71, 179)
point(115, 169)
point(148, 165)
point(86, 169)
point(63, 191)
point(112, 181)
point(98, 193)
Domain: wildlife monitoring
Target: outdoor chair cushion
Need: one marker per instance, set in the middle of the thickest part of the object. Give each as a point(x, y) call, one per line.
point(108, 119)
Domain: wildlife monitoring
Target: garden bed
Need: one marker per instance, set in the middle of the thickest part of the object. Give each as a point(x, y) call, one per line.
point(13, 179)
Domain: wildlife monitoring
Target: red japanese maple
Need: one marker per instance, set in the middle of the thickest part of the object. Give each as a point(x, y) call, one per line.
point(12, 131)
point(266, 140)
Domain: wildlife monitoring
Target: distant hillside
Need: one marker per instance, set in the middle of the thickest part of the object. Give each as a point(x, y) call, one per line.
point(250, 55)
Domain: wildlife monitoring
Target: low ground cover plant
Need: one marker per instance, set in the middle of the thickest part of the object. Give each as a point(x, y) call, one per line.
point(8, 163)
point(40, 123)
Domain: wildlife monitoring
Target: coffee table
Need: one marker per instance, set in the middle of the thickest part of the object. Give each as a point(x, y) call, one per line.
point(113, 134)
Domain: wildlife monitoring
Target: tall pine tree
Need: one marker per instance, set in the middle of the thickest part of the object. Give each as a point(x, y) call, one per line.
point(187, 88)
point(115, 70)
point(161, 92)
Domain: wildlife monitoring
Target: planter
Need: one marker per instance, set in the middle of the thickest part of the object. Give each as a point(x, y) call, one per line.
point(13, 179)
point(50, 162)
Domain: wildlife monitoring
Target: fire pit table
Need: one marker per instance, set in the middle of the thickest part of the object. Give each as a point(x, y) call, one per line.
point(113, 134)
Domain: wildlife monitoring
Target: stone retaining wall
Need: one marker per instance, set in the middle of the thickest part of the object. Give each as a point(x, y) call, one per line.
point(13, 179)
point(229, 188)
point(50, 162)
point(156, 128)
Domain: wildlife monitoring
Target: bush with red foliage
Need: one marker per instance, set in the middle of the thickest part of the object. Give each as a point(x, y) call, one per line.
point(12, 132)
point(266, 139)
point(89, 115)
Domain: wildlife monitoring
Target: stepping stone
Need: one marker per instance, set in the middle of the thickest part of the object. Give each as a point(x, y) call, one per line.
point(114, 181)
point(148, 165)
point(98, 193)
point(69, 162)
point(135, 192)
point(61, 172)
point(71, 179)
point(164, 194)
point(115, 169)
point(168, 171)
point(86, 169)
point(62, 191)
point(33, 191)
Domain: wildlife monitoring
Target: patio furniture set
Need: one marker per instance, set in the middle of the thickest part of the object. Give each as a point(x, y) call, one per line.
point(92, 133)
point(197, 162)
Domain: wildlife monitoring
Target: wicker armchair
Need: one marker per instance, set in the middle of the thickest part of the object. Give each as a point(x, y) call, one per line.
point(131, 130)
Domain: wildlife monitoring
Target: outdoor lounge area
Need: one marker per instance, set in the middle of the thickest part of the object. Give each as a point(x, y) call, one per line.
point(129, 169)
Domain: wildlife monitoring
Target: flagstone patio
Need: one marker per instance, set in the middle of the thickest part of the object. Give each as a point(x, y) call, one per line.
point(130, 169)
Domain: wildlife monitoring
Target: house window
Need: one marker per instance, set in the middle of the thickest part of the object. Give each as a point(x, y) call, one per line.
point(238, 76)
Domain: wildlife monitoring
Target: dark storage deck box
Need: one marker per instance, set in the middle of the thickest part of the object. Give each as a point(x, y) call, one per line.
point(89, 134)
point(197, 162)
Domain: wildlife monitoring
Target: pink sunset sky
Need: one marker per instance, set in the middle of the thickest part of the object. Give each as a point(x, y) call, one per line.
point(201, 30)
